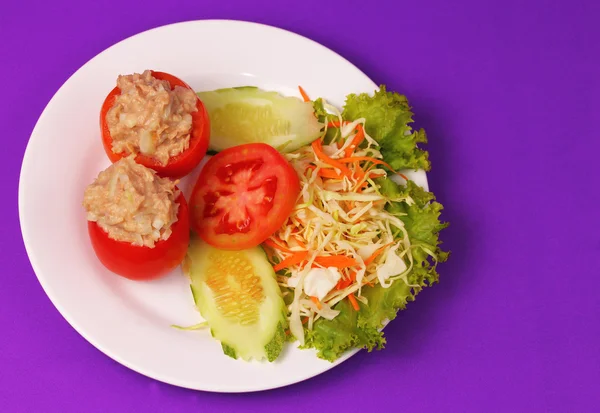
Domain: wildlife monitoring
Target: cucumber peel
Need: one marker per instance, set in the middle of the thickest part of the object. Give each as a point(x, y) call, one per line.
point(236, 292)
point(248, 114)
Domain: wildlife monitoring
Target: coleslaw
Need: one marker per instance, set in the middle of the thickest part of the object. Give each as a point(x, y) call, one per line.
point(350, 232)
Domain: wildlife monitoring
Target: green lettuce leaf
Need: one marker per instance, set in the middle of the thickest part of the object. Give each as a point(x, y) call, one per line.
point(422, 222)
point(388, 116)
point(320, 111)
point(323, 116)
point(362, 329)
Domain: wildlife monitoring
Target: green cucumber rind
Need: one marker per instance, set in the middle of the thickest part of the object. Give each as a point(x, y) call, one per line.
point(306, 127)
point(277, 336)
point(229, 351)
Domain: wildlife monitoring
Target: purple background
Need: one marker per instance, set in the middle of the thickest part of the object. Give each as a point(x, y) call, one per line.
point(509, 96)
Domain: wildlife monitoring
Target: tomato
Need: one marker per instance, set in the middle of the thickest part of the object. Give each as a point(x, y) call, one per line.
point(242, 196)
point(179, 165)
point(140, 262)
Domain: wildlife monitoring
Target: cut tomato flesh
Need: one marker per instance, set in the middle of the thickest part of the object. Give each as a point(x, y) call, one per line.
point(244, 194)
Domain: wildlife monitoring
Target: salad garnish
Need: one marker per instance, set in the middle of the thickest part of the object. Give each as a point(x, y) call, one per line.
point(362, 240)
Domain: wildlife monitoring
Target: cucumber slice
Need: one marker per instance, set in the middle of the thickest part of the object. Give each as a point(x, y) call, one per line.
point(249, 114)
point(237, 294)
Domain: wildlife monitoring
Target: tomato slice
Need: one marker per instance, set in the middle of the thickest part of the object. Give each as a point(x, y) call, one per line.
point(242, 196)
point(140, 262)
point(179, 165)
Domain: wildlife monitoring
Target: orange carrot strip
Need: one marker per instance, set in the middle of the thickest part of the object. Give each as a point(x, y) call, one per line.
point(339, 261)
point(329, 173)
point(359, 171)
point(362, 187)
point(377, 174)
point(377, 252)
point(318, 149)
point(361, 177)
point(316, 301)
point(295, 258)
point(345, 282)
point(353, 302)
point(358, 138)
point(360, 174)
point(304, 95)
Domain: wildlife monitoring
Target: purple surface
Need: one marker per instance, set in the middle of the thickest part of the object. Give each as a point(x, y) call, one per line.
point(509, 96)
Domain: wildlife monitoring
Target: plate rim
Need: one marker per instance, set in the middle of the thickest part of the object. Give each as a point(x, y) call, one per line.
point(56, 303)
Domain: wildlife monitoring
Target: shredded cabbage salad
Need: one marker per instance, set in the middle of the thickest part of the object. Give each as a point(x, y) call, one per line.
point(351, 237)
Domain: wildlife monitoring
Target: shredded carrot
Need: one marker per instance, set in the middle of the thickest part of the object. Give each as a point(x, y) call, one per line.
point(295, 258)
point(377, 174)
point(316, 301)
point(304, 95)
point(329, 173)
point(377, 252)
point(345, 282)
point(359, 172)
point(349, 205)
point(318, 149)
point(362, 187)
point(353, 302)
point(369, 159)
point(338, 261)
point(358, 138)
point(305, 320)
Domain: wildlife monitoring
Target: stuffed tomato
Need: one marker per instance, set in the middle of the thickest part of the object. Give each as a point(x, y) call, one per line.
point(157, 118)
point(138, 222)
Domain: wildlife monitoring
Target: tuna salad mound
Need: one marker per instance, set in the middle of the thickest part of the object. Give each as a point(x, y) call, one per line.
point(149, 117)
point(132, 204)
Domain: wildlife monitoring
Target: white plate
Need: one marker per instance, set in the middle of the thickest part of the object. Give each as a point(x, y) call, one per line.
point(130, 321)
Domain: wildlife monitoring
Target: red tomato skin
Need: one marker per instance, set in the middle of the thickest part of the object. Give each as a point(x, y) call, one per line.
point(179, 165)
point(286, 196)
point(139, 262)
